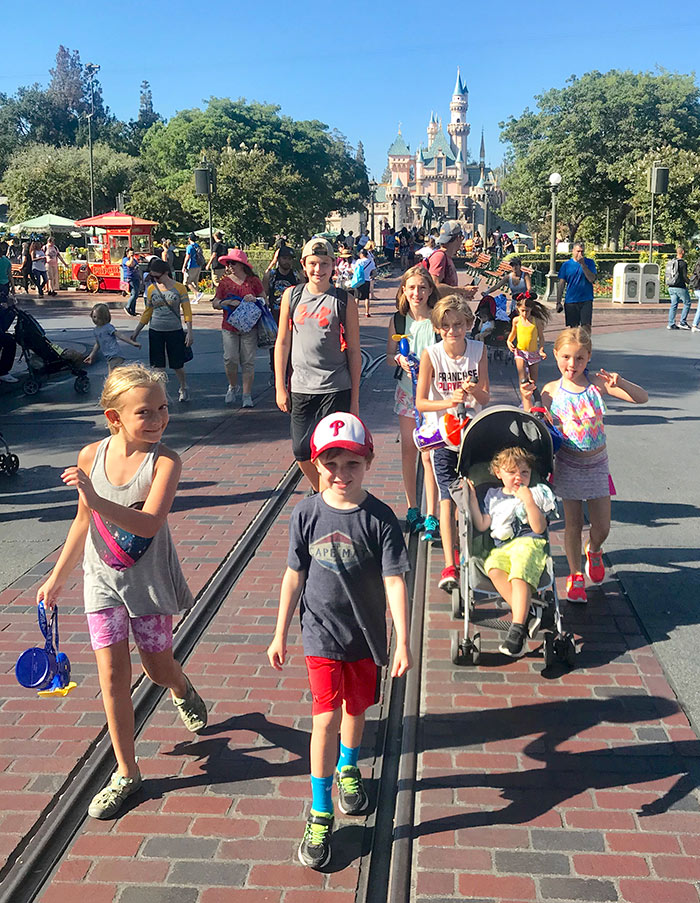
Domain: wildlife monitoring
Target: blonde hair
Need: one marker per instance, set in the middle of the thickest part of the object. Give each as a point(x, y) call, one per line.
point(574, 335)
point(402, 304)
point(102, 312)
point(456, 303)
point(122, 379)
point(511, 457)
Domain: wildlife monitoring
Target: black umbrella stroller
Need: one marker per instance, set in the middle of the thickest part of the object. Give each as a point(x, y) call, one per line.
point(44, 358)
point(489, 432)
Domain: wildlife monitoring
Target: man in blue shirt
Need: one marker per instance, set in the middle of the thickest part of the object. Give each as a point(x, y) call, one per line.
point(578, 275)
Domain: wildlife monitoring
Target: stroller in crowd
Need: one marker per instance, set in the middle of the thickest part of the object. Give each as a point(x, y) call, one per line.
point(45, 358)
point(494, 429)
point(492, 325)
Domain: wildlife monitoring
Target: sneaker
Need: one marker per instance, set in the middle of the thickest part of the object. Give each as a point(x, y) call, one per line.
point(315, 846)
point(183, 395)
point(247, 401)
point(8, 378)
point(576, 588)
point(594, 565)
point(534, 619)
point(192, 708)
point(431, 529)
point(128, 310)
point(514, 643)
point(352, 799)
point(231, 394)
point(695, 328)
point(198, 297)
point(414, 521)
point(672, 326)
point(109, 801)
point(449, 579)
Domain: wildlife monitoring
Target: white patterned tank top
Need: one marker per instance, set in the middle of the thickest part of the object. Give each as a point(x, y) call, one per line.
point(120, 568)
point(579, 418)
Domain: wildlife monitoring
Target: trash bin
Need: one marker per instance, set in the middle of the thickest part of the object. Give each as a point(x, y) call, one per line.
point(649, 288)
point(627, 283)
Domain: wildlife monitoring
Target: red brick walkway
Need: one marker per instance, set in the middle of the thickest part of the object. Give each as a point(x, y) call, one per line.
point(530, 787)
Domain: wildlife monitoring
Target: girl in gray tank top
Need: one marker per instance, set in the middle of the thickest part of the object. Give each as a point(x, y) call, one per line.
point(132, 576)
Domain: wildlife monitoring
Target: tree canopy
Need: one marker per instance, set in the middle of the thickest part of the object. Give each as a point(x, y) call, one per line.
point(275, 174)
point(601, 132)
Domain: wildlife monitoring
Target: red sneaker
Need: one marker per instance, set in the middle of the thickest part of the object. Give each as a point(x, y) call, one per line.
point(576, 588)
point(594, 565)
point(449, 579)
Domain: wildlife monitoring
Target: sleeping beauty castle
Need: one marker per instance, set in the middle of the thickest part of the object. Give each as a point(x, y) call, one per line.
point(439, 176)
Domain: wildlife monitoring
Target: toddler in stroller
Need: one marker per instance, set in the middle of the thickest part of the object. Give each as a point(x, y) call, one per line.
point(492, 325)
point(503, 501)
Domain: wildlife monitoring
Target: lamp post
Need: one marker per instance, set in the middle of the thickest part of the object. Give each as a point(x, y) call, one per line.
point(91, 69)
point(393, 213)
point(554, 183)
point(205, 183)
point(372, 198)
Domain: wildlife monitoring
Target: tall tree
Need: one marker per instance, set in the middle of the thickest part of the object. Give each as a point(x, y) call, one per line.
point(594, 131)
point(360, 154)
point(67, 86)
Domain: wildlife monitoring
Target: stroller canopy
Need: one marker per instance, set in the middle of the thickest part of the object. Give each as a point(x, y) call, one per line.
point(500, 427)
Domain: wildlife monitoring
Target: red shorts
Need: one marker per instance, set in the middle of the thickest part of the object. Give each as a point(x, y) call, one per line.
point(333, 683)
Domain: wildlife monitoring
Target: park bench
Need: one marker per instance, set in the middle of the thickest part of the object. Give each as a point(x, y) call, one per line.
point(476, 266)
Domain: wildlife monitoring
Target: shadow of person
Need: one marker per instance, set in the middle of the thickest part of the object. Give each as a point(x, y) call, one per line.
point(534, 791)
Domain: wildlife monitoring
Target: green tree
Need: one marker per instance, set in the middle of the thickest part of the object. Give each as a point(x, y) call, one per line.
point(310, 168)
point(360, 154)
point(42, 178)
point(595, 131)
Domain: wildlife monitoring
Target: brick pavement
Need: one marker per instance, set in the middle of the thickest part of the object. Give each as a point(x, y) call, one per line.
point(220, 815)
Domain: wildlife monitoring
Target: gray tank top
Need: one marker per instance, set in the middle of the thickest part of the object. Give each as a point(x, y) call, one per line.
point(319, 366)
point(123, 569)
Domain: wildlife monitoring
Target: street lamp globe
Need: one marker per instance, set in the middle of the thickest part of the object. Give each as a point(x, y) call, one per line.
point(555, 180)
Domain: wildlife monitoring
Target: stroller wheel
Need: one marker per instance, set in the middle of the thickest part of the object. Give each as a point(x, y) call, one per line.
point(457, 650)
point(30, 386)
point(3, 463)
point(569, 649)
point(11, 465)
point(476, 648)
point(457, 607)
point(82, 384)
point(548, 650)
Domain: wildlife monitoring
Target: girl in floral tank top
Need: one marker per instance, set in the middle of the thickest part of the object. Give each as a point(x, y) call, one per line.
point(581, 471)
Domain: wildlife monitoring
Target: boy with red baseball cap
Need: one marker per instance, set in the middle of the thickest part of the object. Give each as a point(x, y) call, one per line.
point(347, 560)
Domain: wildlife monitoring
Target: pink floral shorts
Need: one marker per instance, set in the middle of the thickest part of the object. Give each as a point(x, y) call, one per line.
point(152, 633)
point(403, 403)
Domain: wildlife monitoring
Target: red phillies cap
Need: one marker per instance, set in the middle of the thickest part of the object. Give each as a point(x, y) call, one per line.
point(341, 430)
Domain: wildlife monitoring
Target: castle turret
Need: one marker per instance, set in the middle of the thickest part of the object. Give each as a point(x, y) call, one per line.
point(432, 129)
point(458, 128)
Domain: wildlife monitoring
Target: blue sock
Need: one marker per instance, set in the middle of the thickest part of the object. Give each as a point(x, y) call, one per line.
point(322, 794)
point(348, 756)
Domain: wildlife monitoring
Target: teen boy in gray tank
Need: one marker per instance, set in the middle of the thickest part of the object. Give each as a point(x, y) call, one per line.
point(324, 342)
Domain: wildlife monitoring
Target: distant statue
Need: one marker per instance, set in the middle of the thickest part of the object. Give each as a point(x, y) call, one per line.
point(428, 212)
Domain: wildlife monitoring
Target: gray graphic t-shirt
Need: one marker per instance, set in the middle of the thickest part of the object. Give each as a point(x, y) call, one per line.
point(346, 555)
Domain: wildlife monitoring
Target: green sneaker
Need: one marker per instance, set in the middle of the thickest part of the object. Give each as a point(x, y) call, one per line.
point(315, 846)
point(431, 529)
point(109, 801)
point(192, 708)
point(352, 799)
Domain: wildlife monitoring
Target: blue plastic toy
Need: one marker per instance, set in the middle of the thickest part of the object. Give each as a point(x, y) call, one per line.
point(413, 363)
point(45, 670)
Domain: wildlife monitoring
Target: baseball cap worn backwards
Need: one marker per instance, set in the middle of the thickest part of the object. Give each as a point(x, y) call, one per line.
point(318, 246)
point(448, 230)
point(341, 430)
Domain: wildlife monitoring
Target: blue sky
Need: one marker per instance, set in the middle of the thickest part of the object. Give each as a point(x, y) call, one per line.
point(361, 73)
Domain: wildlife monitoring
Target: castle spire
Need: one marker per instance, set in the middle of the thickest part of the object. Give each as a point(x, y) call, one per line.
point(460, 87)
point(482, 149)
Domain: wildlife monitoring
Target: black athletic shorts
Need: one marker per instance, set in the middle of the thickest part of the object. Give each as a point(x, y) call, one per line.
point(307, 411)
point(578, 313)
point(362, 291)
point(172, 343)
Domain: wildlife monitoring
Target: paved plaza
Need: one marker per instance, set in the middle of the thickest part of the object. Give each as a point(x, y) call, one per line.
point(574, 785)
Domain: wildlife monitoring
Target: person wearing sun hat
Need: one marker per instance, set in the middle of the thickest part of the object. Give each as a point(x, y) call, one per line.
point(346, 561)
point(319, 331)
point(240, 348)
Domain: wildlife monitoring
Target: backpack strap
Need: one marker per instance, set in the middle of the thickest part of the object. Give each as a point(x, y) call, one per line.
point(294, 299)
